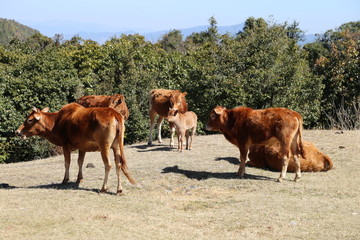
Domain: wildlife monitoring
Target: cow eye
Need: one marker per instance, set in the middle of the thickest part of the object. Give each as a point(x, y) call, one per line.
point(30, 120)
point(212, 116)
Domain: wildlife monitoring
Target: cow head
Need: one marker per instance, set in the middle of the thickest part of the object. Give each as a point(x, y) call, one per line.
point(216, 120)
point(116, 100)
point(33, 124)
point(118, 103)
point(178, 100)
point(172, 115)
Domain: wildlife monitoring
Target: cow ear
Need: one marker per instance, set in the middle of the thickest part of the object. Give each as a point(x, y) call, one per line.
point(45, 109)
point(184, 94)
point(37, 116)
point(219, 110)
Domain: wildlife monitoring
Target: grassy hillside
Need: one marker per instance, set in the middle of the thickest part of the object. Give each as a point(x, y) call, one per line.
point(10, 29)
point(190, 195)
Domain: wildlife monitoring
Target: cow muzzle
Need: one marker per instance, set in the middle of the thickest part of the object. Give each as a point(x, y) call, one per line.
point(19, 134)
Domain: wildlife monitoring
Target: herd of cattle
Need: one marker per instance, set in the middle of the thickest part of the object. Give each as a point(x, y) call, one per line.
point(270, 138)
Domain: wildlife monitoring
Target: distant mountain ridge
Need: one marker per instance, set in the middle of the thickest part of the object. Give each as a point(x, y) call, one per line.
point(102, 37)
point(9, 29)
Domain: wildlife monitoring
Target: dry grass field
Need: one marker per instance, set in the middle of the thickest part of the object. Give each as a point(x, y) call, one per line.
point(190, 195)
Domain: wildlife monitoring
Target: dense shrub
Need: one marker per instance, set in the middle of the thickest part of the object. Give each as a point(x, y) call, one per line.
point(263, 66)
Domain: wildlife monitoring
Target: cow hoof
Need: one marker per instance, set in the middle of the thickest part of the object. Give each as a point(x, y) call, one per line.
point(65, 181)
point(120, 193)
point(240, 176)
point(79, 180)
point(103, 190)
point(149, 143)
point(280, 179)
point(296, 179)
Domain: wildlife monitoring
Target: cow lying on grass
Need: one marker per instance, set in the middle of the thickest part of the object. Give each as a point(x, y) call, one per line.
point(116, 102)
point(183, 122)
point(267, 157)
point(245, 127)
point(160, 102)
point(86, 129)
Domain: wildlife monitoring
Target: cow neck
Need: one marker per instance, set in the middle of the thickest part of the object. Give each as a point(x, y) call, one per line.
point(228, 119)
point(49, 120)
point(228, 126)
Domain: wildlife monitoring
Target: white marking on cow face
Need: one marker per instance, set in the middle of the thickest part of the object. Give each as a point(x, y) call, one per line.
point(172, 115)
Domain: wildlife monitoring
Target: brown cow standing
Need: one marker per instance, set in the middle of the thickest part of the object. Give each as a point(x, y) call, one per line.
point(267, 156)
point(116, 102)
point(86, 129)
point(160, 102)
point(184, 122)
point(245, 127)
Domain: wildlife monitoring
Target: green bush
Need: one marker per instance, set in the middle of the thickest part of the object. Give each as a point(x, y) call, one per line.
point(262, 66)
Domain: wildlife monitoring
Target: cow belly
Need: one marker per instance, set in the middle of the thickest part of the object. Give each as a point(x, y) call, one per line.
point(86, 146)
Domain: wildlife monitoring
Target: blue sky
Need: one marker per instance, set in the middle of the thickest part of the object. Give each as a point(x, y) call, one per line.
point(315, 16)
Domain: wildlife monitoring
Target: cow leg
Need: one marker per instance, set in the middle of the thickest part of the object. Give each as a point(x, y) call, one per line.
point(296, 154)
point(243, 158)
point(182, 139)
point(187, 135)
point(285, 162)
point(191, 137)
point(107, 164)
point(172, 132)
point(152, 124)
point(67, 157)
point(118, 170)
point(179, 139)
point(80, 163)
point(159, 125)
point(298, 169)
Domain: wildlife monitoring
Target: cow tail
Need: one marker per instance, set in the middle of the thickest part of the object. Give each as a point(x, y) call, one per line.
point(328, 164)
point(124, 168)
point(301, 142)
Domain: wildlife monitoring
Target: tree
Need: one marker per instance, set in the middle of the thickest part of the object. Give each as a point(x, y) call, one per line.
point(172, 41)
point(335, 59)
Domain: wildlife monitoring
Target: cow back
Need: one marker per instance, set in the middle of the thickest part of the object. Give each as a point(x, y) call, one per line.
point(86, 128)
point(116, 102)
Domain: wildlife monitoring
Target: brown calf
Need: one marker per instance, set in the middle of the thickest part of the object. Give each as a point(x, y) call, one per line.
point(116, 102)
point(245, 127)
point(183, 122)
point(160, 102)
point(267, 156)
point(86, 129)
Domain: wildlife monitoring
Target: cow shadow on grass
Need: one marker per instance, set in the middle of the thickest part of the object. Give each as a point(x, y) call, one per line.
point(235, 161)
point(66, 186)
point(59, 186)
point(204, 175)
point(232, 160)
point(153, 148)
point(6, 186)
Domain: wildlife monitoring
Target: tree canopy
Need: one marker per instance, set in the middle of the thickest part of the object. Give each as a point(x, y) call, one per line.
point(262, 66)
